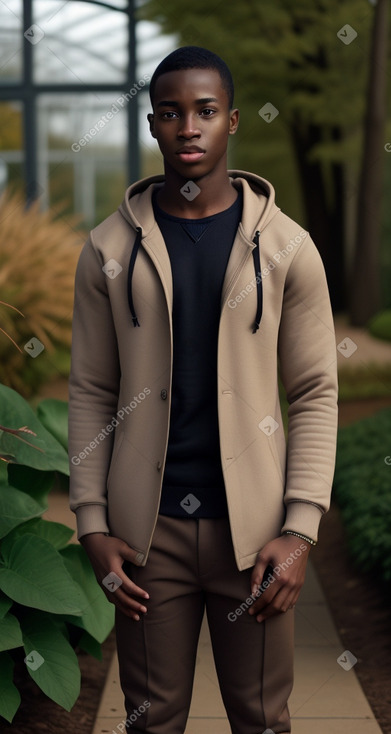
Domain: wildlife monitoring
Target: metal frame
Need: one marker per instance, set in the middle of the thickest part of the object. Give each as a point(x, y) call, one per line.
point(28, 91)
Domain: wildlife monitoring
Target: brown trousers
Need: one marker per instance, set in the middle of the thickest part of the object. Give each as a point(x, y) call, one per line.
point(192, 566)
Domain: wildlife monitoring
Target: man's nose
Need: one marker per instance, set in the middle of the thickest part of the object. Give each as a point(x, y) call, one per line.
point(189, 127)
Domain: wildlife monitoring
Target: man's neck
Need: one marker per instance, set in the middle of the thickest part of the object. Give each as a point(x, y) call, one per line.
point(214, 195)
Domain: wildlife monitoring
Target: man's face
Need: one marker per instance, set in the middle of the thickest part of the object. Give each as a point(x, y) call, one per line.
point(192, 121)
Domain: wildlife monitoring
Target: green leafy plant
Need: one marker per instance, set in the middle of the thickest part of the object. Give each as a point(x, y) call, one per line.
point(362, 489)
point(50, 600)
point(380, 325)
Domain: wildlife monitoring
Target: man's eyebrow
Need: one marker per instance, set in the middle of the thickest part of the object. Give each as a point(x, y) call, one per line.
point(172, 103)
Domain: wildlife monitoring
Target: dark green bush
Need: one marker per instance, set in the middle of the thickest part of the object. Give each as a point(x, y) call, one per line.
point(362, 489)
point(380, 325)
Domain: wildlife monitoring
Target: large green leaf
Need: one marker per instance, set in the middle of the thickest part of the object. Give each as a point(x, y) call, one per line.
point(9, 694)
point(33, 573)
point(41, 451)
point(50, 659)
point(57, 534)
point(97, 616)
point(10, 633)
point(5, 604)
point(15, 508)
point(34, 482)
point(53, 414)
point(90, 645)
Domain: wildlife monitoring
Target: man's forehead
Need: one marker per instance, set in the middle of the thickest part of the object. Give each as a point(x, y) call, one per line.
point(200, 83)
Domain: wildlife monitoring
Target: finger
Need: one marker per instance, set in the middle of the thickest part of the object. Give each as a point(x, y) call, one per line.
point(126, 603)
point(278, 605)
point(132, 614)
point(117, 578)
point(132, 555)
point(266, 596)
point(257, 575)
point(130, 588)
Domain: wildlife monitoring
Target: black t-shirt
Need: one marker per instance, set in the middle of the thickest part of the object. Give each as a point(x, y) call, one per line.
point(199, 249)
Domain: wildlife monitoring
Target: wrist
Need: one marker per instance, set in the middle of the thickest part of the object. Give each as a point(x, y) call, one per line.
point(84, 537)
point(306, 539)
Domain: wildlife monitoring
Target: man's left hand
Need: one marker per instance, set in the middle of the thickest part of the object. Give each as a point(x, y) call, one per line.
point(288, 556)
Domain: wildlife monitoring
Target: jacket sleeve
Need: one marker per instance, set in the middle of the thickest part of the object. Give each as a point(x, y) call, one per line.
point(93, 393)
point(308, 370)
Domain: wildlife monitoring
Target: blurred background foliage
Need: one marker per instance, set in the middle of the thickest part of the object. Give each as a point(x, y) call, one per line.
point(38, 256)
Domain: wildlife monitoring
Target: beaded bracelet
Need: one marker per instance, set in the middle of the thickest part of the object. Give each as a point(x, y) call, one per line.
point(299, 535)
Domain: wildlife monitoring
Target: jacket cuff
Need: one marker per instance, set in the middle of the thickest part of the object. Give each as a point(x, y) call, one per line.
point(91, 519)
point(304, 518)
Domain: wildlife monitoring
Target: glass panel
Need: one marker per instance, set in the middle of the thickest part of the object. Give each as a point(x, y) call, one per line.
point(82, 154)
point(152, 47)
point(11, 46)
point(11, 145)
point(81, 43)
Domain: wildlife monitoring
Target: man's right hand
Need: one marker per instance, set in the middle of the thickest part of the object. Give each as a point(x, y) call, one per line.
point(107, 554)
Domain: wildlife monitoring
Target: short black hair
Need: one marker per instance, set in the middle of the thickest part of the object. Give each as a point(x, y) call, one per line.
point(194, 57)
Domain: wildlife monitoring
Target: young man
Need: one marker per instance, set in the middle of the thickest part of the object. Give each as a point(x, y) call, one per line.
point(188, 300)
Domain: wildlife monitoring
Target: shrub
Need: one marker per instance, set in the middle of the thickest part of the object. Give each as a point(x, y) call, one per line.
point(362, 489)
point(380, 325)
point(49, 597)
point(38, 259)
point(369, 380)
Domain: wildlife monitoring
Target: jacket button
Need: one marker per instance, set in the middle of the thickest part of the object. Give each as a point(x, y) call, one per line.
point(159, 465)
point(163, 394)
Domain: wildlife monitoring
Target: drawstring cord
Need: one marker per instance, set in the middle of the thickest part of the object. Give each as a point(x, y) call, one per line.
point(130, 275)
point(257, 266)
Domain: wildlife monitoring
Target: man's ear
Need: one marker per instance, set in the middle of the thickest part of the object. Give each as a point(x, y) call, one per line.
point(233, 121)
point(150, 119)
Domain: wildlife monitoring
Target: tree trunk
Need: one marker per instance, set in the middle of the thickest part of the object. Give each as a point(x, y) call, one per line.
point(325, 227)
point(365, 296)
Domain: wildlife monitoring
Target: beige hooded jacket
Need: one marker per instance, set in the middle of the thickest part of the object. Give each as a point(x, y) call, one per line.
point(119, 400)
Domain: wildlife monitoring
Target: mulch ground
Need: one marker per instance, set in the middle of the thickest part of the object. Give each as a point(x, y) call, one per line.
point(359, 606)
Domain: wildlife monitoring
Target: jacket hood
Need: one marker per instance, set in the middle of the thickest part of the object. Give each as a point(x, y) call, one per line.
point(258, 202)
point(259, 209)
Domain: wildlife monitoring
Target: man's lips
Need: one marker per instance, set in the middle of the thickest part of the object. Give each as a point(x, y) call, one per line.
point(190, 154)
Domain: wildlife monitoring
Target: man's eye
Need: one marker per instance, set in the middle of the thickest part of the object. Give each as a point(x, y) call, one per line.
point(169, 115)
point(207, 112)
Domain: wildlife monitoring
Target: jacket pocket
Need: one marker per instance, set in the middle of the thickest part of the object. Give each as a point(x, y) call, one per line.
point(114, 455)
